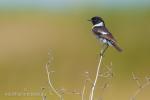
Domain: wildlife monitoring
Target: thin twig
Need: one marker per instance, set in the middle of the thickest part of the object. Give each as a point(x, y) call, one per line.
point(136, 80)
point(50, 84)
point(83, 90)
point(103, 50)
point(43, 97)
point(107, 74)
point(140, 86)
point(103, 89)
point(43, 94)
point(96, 77)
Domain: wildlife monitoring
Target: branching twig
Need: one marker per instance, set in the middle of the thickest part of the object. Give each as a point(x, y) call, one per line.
point(107, 74)
point(50, 84)
point(140, 86)
point(87, 78)
point(61, 92)
point(58, 92)
point(50, 58)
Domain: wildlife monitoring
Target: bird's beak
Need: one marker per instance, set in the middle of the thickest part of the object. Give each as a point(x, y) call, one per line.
point(89, 20)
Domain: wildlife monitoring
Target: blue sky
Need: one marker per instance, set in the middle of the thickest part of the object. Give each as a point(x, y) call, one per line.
point(73, 3)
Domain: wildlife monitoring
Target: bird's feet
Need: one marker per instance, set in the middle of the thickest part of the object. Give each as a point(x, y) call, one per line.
point(101, 53)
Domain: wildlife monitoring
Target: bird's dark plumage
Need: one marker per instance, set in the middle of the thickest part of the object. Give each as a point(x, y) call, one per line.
point(100, 30)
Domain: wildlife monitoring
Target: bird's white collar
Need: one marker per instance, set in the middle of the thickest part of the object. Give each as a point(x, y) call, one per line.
point(99, 24)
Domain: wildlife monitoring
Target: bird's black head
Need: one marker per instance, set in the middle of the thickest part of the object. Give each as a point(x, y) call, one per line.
point(96, 20)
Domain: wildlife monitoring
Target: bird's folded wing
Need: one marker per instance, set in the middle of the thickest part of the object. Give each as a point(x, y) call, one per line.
point(108, 37)
point(104, 33)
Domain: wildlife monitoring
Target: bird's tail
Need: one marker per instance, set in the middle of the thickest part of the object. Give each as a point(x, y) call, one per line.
point(115, 45)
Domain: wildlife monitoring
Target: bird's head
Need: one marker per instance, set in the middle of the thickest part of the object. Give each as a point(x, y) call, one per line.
point(96, 20)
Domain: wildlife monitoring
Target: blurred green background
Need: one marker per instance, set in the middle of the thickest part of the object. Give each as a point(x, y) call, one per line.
point(29, 29)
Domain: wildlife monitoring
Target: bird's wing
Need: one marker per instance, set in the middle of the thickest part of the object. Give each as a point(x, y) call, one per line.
point(104, 33)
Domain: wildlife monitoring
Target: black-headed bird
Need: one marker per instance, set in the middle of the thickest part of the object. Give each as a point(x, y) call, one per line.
point(102, 33)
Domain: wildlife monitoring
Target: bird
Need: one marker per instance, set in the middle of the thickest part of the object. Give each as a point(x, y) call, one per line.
point(103, 34)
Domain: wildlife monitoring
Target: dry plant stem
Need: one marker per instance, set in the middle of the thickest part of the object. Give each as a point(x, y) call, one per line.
point(136, 80)
point(95, 81)
point(83, 90)
point(50, 84)
point(98, 70)
point(43, 94)
point(43, 97)
point(140, 87)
